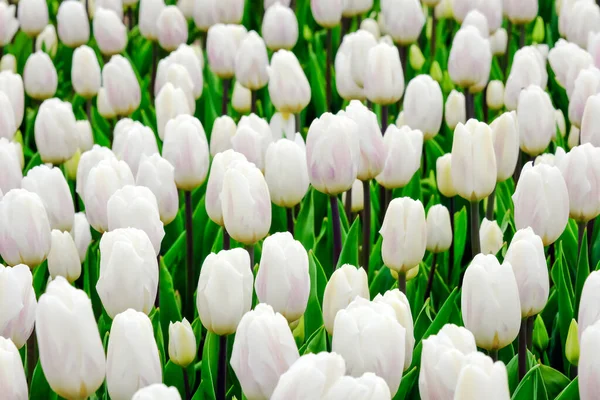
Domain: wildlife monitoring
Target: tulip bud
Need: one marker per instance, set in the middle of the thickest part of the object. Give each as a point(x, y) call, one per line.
point(327, 13)
point(170, 103)
point(587, 84)
point(476, 19)
point(115, 6)
point(367, 387)
point(223, 130)
point(490, 236)
point(499, 42)
point(251, 62)
point(186, 148)
point(581, 170)
point(102, 181)
point(215, 183)
point(403, 20)
point(495, 95)
point(455, 109)
point(73, 24)
point(470, 59)
point(177, 75)
point(283, 126)
point(520, 12)
point(403, 149)
point(53, 189)
point(47, 41)
point(346, 86)
point(132, 287)
point(63, 259)
point(157, 391)
point(444, 176)
point(589, 312)
point(360, 42)
point(33, 16)
point(185, 57)
point(541, 201)
point(9, 164)
point(171, 28)
point(286, 173)
point(12, 375)
point(241, 100)
point(280, 27)
point(572, 344)
point(8, 127)
point(182, 343)
point(494, 317)
point(122, 87)
point(132, 360)
point(40, 76)
point(24, 228)
point(582, 17)
point(105, 109)
point(439, 229)
point(9, 23)
point(245, 202)
point(90, 159)
point(109, 31)
point(345, 284)
point(81, 234)
point(473, 160)
point(443, 10)
point(573, 140)
point(590, 133)
point(358, 201)
point(416, 57)
point(480, 374)
point(158, 175)
point(206, 14)
point(56, 133)
point(19, 304)
point(8, 63)
point(222, 44)
point(361, 318)
point(288, 86)
point(386, 88)
point(505, 135)
point(149, 13)
point(567, 60)
point(136, 207)
point(85, 72)
point(423, 105)
point(332, 153)
point(12, 86)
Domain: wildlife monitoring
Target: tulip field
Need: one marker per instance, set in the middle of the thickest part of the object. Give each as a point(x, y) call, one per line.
point(299, 199)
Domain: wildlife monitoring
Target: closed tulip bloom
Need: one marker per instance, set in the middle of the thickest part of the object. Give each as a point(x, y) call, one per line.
point(541, 201)
point(63, 259)
point(567, 60)
point(56, 134)
point(222, 44)
point(47, 41)
point(478, 20)
point(8, 126)
point(490, 236)
point(53, 189)
point(583, 18)
point(273, 349)
point(224, 292)
point(283, 126)
point(245, 202)
point(187, 8)
point(344, 77)
point(356, 7)
point(589, 312)
point(362, 319)
point(24, 228)
point(535, 117)
point(8, 62)
point(587, 84)
point(289, 89)
point(102, 181)
point(286, 172)
point(494, 95)
point(18, 304)
point(520, 12)
point(182, 343)
point(402, 251)
point(590, 131)
point(134, 142)
point(283, 280)
point(158, 175)
point(149, 12)
point(593, 47)
point(33, 16)
point(215, 183)
point(65, 322)
point(12, 375)
point(443, 10)
point(186, 148)
point(280, 27)
point(358, 200)
point(384, 78)
point(224, 128)
point(493, 316)
point(505, 135)
point(473, 160)
point(82, 236)
point(136, 207)
point(11, 168)
point(157, 391)
point(455, 109)
point(40, 76)
point(122, 87)
point(588, 372)
point(241, 99)
point(403, 148)
point(89, 160)
point(404, 20)
point(581, 170)
point(128, 271)
point(360, 42)
point(12, 86)
point(423, 105)
point(371, 26)
point(115, 6)
point(251, 62)
point(327, 13)
point(346, 283)
point(367, 387)
point(133, 360)
point(528, 68)
point(9, 23)
point(85, 71)
point(105, 109)
point(573, 140)
point(470, 59)
point(172, 28)
point(444, 176)
point(186, 57)
point(73, 24)
point(178, 76)
point(499, 42)
point(332, 153)
point(479, 376)
point(109, 31)
point(439, 230)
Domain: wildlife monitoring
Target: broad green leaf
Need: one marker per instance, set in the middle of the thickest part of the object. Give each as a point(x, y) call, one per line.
point(460, 240)
point(305, 223)
point(40, 389)
point(583, 270)
point(173, 376)
point(313, 317)
point(169, 312)
point(565, 299)
point(408, 381)
point(571, 392)
point(554, 381)
point(512, 370)
point(349, 253)
point(383, 282)
point(210, 362)
point(531, 387)
point(316, 343)
point(317, 82)
point(40, 279)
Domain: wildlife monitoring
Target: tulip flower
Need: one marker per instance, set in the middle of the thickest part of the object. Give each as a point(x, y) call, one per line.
point(86, 137)
point(286, 172)
point(223, 130)
point(171, 28)
point(8, 127)
point(490, 237)
point(33, 16)
point(581, 171)
point(476, 19)
point(170, 103)
point(56, 134)
point(115, 6)
point(367, 387)
point(109, 31)
point(89, 160)
point(423, 105)
point(12, 86)
point(82, 236)
point(541, 201)
point(586, 84)
point(357, 197)
point(345, 284)
point(593, 47)
point(222, 307)
point(311, 376)
point(11, 168)
point(589, 127)
point(158, 175)
point(157, 391)
point(8, 62)
point(455, 110)
point(505, 135)
point(12, 375)
point(18, 303)
point(63, 259)
point(132, 287)
point(252, 138)
point(289, 89)
point(480, 375)
point(273, 349)
point(499, 42)
point(214, 186)
point(245, 203)
point(361, 318)
point(105, 109)
point(588, 375)
point(589, 312)
point(122, 87)
point(520, 12)
point(222, 44)
point(186, 148)
point(251, 62)
point(567, 60)
point(494, 95)
point(73, 24)
point(403, 147)
point(441, 361)
point(344, 78)
point(133, 143)
point(9, 23)
point(132, 360)
point(182, 343)
point(494, 317)
point(85, 72)
point(580, 19)
point(47, 41)
point(360, 42)
point(149, 12)
point(241, 99)
point(528, 68)
point(206, 13)
point(65, 320)
point(444, 176)
point(403, 20)
point(327, 13)
point(470, 60)
point(283, 126)
point(371, 26)
point(280, 27)
point(191, 84)
point(536, 125)
point(439, 229)
point(384, 88)
point(40, 76)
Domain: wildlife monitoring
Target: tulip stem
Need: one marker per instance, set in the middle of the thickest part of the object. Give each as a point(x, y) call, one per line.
point(366, 225)
point(348, 204)
point(157, 299)
point(290, 220)
point(523, 349)
point(475, 246)
point(254, 95)
point(337, 230)
point(385, 195)
point(590, 235)
point(521, 36)
point(484, 104)
point(31, 356)
point(225, 98)
point(154, 67)
point(530, 323)
point(297, 123)
point(433, 34)
point(403, 58)
point(186, 383)
point(431, 275)
point(222, 368)
point(250, 250)
point(470, 104)
point(489, 214)
point(130, 18)
point(551, 254)
point(88, 110)
point(494, 355)
point(580, 232)
point(226, 240)
point(402, 282)
point(189, 229)
point(328, 69)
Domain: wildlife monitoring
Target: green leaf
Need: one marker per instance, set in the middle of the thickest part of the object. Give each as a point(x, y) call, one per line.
point(565, 299)
point(33, 162)
point(531, 387)
point(316, 343)
point(512, 370)
point(173, 376)
point(313, 317)
point(305, 223)
point(349, 253)
point(571, 392)
point(408, 381)
point(383, 282)
point(583, 270)
point(40, 389)
point(554, 381)
point(169, 312)
point(460, 240)
point(40, 279)
point(210, 362)
point(317, 82)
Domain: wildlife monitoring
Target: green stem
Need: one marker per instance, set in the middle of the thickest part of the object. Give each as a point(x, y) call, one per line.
point(523, 349)
point(366, 225)
point(475, 245)
point(431, 276)
point(402, 282)
point(189, 229)
point(489, 214)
